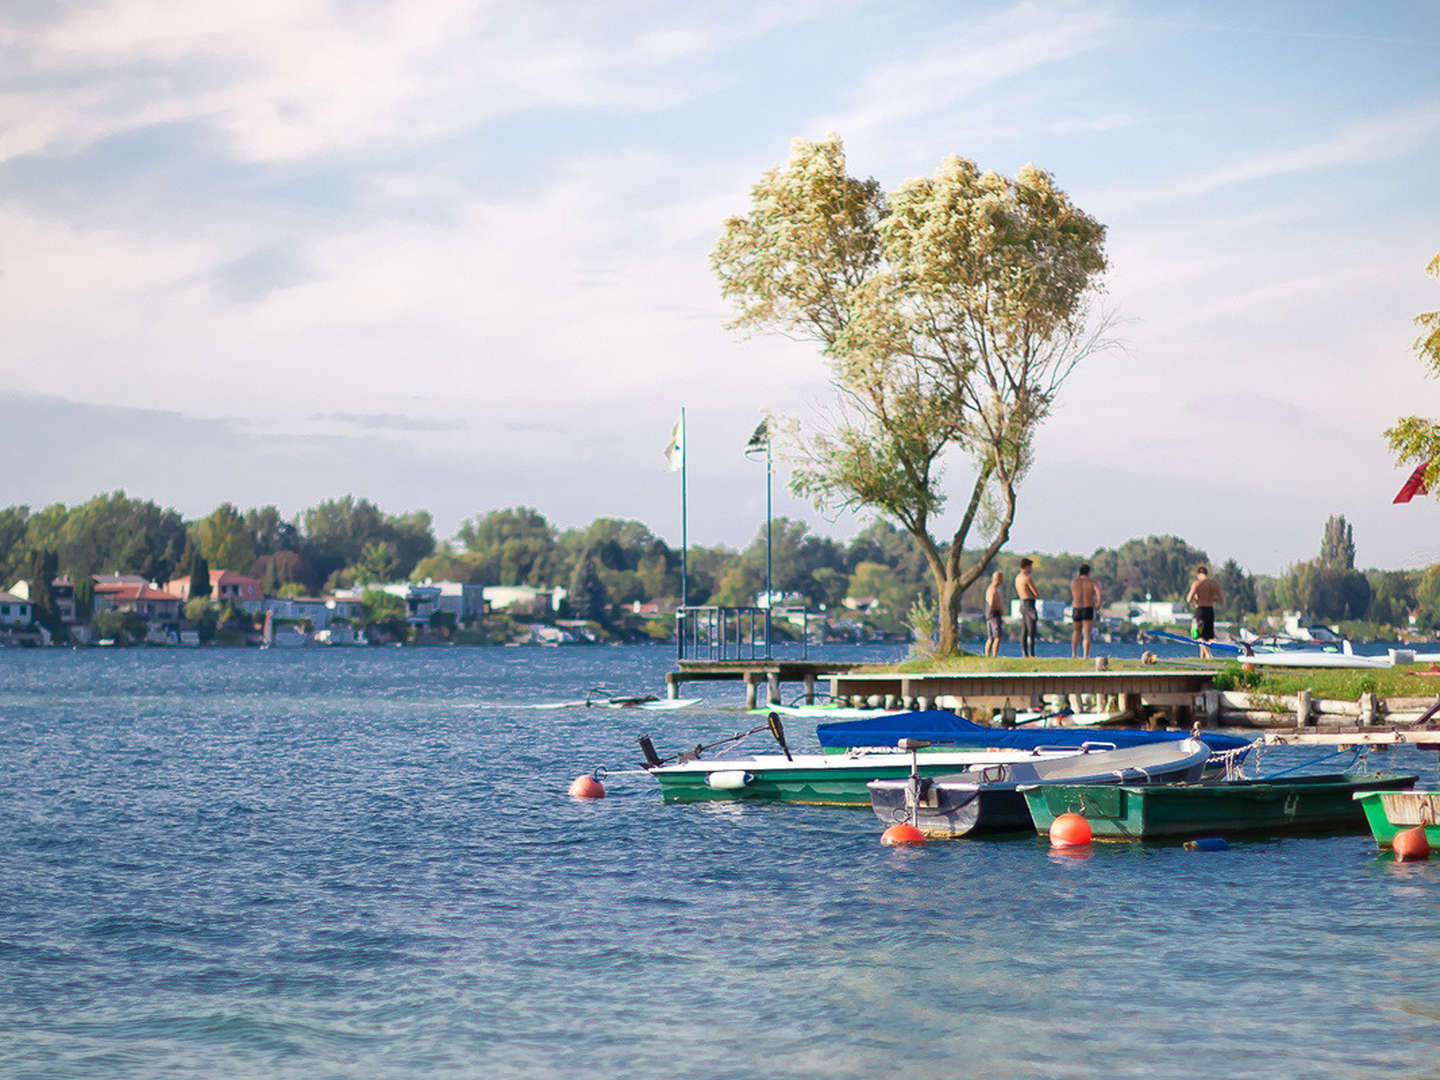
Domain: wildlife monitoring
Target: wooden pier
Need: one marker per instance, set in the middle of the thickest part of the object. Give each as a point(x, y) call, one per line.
point(754, 672)
point(1135, 691)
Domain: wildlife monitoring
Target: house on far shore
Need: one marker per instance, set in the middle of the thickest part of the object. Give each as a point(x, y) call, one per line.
point(150, 603)
point(61, 591)
point(226, 587)
point(523, 599)
point(15, 610)
point(313, 608)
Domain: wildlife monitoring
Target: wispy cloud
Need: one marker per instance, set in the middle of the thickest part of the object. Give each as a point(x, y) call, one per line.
point(1382, 139)
point(388, 422)
point(1092, 125)
point(966, 57)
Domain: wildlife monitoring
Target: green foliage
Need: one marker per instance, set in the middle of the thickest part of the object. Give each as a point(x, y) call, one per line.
point(44, 567)
point(13, 551)
point(1337, 546)
point(109, 533)
point(588, 597)
point(378, 563)
point(336, 532)
point(1234, 677)
point(279, 570)
point(112, 625)
point(199, 577)
point(386, 613)
point(512, 547)
point(921, 618)
point(224, 540)
point(1414, 439)
point(950, 312)
point(1160, 567)
point(1392, 596)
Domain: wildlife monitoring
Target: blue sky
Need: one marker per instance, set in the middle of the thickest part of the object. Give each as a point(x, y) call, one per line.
point(452, 255)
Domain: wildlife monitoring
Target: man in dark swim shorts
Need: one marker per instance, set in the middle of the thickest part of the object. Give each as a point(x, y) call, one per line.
point(1205, 593)
point(1084, 599)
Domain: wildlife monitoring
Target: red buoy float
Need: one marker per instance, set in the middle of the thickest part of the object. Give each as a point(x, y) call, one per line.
point(902, 834)
point(587, 787)
point(1412, 845)
point(1069, 830)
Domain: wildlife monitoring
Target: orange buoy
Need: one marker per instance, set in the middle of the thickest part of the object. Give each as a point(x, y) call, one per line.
point(587, 787)
point(902, 834)
point(1412, 845)
point(1069, 830)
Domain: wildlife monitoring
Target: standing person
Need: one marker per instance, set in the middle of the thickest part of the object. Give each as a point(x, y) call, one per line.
point(1029, 620)
point(1205, 593)
point(994, 614)
point(1084, 599)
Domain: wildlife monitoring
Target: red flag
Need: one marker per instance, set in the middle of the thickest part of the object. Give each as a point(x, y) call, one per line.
point(1415, 485)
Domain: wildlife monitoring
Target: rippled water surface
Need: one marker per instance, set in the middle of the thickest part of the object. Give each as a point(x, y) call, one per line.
point(326, 863)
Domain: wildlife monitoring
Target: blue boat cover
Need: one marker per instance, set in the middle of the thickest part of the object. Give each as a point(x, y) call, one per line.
point(943, 726)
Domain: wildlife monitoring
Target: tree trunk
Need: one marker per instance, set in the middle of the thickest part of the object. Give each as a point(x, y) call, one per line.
point(947, 611)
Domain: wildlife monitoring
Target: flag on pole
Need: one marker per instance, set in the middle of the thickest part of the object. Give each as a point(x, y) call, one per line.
point(760, 440)
point(1415, 485)
point(675, 451)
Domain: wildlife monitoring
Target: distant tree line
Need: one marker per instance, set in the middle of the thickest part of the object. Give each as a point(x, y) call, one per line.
point(351, 542)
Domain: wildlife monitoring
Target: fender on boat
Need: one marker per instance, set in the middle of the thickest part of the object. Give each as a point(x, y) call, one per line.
point(728, 779)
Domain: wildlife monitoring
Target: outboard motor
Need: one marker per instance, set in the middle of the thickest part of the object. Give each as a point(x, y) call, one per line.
point(652, 759)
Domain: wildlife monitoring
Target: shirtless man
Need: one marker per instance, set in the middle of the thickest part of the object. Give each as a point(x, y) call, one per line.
point(1084, 599)
point(1029, 620)
point(1204, 594)
point(995, 614)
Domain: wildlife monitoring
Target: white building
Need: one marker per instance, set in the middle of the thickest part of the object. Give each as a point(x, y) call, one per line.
point(15, 610)
point(314, 608)
point(1046, 610)
point(1148, 612)
point(523, 599)
point(460, 599)
point(420, 600)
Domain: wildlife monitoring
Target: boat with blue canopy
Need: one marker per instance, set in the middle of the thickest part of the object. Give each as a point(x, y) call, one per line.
point(950, 731)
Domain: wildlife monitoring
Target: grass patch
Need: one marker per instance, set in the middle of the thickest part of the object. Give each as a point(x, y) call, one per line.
point(1345, 684)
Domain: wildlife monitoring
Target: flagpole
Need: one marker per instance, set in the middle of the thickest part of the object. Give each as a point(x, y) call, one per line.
point(769, 590)
point(684, 515)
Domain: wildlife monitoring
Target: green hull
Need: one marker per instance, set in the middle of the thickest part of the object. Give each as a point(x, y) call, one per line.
point(814, 787)
point(1391, 812)
point(1143, 811)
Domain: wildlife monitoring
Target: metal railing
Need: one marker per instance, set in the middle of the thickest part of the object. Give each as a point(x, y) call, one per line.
point(734, 633)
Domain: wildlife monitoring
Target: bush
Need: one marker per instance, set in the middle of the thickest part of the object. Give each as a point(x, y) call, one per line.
point(1234, 677)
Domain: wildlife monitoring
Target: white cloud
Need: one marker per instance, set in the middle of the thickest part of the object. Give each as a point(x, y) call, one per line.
point(965, 58)
point(1382, 139)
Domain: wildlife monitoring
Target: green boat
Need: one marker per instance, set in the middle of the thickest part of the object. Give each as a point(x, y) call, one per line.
point(819, 779)
point(1391, 812)
point(1143, 811)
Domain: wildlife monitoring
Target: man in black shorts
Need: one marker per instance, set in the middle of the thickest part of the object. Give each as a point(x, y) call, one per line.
point(1084, 599)
point(1205, 594)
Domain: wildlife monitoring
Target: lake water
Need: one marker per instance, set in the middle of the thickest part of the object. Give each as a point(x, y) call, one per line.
point(362, 863)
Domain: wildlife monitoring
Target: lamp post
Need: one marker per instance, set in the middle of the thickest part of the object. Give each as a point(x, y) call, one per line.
point(761, 440)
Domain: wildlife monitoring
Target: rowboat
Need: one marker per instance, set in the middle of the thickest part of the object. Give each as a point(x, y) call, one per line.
point(984, 799)
point(818, 779)
point(1143, 811)
point(946, 730)
point(1391, 812)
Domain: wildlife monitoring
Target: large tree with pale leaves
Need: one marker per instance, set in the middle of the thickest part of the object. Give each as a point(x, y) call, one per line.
point(1416, 439)
point(950, 312)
